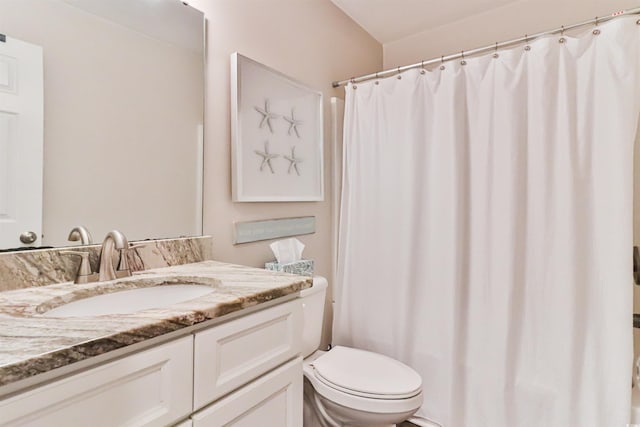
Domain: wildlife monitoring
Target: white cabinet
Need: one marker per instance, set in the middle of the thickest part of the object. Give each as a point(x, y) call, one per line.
point(231, 355)
point(247, 370)
point(273, 400)
point(151, 388)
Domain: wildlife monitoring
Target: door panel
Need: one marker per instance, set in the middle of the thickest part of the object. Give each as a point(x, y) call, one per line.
point(7, 142)
point(234, 353)
point(274, 399)
point(21, 141)
point(152, 388)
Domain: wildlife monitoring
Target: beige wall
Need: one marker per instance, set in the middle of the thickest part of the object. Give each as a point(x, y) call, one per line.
point(309, 40)
point(504, 23)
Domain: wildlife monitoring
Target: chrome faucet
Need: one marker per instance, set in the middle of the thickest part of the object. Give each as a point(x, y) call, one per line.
point(113, 240)
point(80, 233)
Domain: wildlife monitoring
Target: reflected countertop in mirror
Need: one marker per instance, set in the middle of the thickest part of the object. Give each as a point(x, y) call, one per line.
point(123, 115)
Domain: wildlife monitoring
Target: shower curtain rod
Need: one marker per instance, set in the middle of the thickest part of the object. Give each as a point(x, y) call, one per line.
point(494, 47)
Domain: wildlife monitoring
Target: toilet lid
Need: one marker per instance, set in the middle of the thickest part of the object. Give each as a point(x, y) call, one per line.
point(367, 374)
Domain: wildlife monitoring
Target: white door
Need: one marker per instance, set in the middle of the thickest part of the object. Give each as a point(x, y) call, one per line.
point(21, 142)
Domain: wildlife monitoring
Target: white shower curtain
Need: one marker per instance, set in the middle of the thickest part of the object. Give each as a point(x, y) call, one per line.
point(486, 230)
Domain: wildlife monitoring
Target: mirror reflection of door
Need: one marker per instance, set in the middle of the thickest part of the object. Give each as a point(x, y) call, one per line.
point(21, 143)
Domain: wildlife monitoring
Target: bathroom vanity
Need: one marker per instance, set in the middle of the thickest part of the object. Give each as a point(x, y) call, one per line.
point(228, 357)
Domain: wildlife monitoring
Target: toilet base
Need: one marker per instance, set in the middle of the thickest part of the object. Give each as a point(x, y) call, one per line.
point(317, 410)
point(311, 419)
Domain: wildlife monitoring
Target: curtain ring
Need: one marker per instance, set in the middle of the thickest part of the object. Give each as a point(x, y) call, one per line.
point(526, 41)
point(377, 81)
point(562, 39)
point(399, 75)
point(495, 55)
point(353, 83)
point(597, 30)
point(463, 62)
point(422, 70)
point(442, 67)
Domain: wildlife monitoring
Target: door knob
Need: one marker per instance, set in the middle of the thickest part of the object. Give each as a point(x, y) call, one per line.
point(28, 237)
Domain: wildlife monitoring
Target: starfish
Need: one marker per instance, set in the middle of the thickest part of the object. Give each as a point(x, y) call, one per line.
point(267, 115)
point(293, 123)
point(293, 161)
point(266, 157)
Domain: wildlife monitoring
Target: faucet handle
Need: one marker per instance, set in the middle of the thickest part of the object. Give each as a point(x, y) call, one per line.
point(123, 269)
point(84, 275)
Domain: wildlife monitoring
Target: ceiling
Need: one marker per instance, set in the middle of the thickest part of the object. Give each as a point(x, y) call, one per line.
point(391, 20)
point(167, 20)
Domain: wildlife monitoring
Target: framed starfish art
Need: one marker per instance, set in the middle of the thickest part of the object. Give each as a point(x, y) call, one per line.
point(276, 135)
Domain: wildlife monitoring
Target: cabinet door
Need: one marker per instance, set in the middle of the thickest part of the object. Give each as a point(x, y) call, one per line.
point(274, 400)
point(151, 388)
point(233, 354)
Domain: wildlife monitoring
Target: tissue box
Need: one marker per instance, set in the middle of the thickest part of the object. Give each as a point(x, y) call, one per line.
point(304, 267)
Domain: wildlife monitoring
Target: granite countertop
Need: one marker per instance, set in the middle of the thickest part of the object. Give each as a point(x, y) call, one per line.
point(31, 344)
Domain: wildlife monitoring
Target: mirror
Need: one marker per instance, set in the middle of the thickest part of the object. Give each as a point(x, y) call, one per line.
point(123, 114)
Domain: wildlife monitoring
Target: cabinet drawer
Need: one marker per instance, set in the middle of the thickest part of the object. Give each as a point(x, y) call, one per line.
point(151, 388)
point(272, 400)
point(232, 354)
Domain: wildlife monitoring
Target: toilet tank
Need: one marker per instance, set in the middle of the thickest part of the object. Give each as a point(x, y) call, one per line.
point(313, 312)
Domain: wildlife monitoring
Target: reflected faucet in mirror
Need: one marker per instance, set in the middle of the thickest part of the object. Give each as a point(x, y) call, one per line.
point(80, 233)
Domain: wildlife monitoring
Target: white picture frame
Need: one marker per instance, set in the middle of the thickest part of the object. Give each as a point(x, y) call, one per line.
point(276, 136)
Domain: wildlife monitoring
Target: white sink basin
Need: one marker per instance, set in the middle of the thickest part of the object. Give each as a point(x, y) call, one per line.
point(130, 301)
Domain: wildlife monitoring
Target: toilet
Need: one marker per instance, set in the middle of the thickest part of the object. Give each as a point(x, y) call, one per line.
point(350, 387)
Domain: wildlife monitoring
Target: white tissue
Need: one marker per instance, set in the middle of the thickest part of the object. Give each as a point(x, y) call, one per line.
point(288, 250)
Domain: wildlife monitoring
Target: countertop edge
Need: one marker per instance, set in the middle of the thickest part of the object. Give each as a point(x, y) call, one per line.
point(17, 376)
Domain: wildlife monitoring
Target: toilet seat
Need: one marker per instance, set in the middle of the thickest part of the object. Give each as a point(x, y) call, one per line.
point(364, 381)
point(366, 374)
